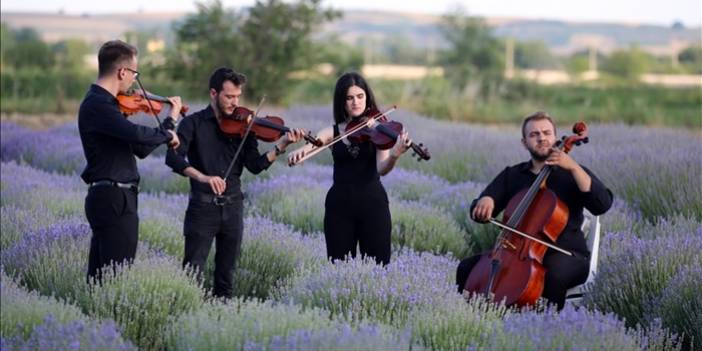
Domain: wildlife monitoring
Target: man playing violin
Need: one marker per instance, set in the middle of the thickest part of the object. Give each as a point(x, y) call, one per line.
point(573, 184)
point(215, 209)
point(110, 143)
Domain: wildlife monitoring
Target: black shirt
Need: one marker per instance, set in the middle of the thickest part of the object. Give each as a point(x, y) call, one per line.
point(354, 163)
point(516, 178)
point(110, 141)
point(210, 151)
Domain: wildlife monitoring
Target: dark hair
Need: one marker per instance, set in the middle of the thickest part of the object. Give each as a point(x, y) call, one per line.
point(112, 54)
point(537, 116)
point(343, 84)
point(222, 74)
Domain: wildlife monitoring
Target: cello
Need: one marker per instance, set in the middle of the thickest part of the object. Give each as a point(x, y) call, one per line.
point(533, 220)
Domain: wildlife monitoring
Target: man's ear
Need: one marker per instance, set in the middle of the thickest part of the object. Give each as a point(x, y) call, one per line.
point(524, 143)
point(213, 93)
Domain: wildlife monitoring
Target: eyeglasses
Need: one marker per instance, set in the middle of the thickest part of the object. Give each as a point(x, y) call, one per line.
point(136, 73)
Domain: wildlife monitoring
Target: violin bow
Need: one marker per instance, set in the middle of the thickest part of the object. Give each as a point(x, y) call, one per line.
point(151, 107)
point(342, 136)
point(243, 139)
point(504, 226)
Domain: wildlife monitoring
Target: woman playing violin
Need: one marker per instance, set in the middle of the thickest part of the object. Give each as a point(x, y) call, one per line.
point(206, 155)
point(573, 184)
point(356, 206)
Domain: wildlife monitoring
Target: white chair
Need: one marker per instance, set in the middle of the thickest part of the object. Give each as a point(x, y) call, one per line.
point(591, 229)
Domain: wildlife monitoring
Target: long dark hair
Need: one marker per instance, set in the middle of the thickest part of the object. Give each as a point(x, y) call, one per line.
point(343, 84)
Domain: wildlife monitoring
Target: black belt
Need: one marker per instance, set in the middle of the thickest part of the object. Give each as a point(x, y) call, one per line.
point(219, 200)
point(131, 186)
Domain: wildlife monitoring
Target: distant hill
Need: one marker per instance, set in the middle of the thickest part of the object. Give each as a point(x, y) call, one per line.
point(359, 27)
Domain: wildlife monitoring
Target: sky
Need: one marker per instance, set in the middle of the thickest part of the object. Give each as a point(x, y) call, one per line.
point(662, 12)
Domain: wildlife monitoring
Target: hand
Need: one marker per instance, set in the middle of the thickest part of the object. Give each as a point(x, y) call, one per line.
point(176, 106)
point(561, 159)
point(175, 142)
point(295, 157)
point(292, 136)
point(402, 144)
point(482, 212)
point(217, 184)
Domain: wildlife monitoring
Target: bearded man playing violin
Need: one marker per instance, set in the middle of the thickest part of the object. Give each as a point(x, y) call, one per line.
point(575, 185)
point(110, 143)
point(206, 155)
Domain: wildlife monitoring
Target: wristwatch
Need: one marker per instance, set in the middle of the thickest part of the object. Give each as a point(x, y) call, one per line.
point(278, 151)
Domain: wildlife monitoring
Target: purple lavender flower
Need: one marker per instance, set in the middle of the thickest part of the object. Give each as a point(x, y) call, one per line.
point(75, 335)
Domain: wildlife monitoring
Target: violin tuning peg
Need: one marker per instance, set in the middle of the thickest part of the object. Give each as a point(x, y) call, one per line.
point(577, 143)
point(586, 140)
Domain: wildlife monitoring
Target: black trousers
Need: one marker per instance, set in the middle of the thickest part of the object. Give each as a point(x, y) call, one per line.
point(205, 223)
point(113, 218)
point(562, 273)
point(358, 215)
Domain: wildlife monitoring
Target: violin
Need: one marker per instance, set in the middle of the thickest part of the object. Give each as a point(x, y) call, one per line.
point(134, 102)
point(535, 217)
point(268, 128)
point(383, 133)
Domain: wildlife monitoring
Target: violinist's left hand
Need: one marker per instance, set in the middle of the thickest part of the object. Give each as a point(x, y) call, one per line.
point(176, 106)
point(293, 136)
point(402, 144)
point(561, 159)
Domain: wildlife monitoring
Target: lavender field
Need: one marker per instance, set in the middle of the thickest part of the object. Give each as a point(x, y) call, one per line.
point(646, 295)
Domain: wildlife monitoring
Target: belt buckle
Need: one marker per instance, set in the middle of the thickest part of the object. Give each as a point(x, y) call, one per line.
point(219, 200)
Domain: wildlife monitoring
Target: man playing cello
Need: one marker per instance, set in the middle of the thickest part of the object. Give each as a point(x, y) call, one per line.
point(573, 184)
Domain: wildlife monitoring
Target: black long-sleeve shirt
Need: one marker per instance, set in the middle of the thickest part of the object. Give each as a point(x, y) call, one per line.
point(518, 177)
point(210, 151)
point(110, 141)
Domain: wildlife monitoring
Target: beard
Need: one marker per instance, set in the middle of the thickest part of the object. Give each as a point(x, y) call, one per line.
point(538, 156)
point(222, 111)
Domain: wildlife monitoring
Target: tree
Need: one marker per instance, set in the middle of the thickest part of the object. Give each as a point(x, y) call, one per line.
point(627, 64)
point(534, 54)
point(691, 58)
point(341, 56)
point(203, 42)
point(70, 54)
point(28, 51)
point(267, 44)
point(473, 53)
point(277, 41)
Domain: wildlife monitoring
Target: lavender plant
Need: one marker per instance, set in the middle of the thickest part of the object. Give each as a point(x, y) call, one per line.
point(16, 222)
point(680, 305)
point(231, 325)
point(52, 260)
point(359, 290)
point(424, 228)
point(271, 253)
point(74, 335)
point(571, 329)
point(454, 324)
point(23, 310)
point(142, 298)
point(343, 338)
point(633, 272)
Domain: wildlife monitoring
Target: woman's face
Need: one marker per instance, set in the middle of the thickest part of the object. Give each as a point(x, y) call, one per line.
point(355, 101)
